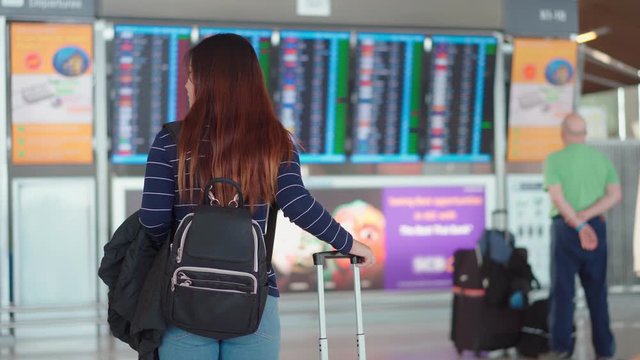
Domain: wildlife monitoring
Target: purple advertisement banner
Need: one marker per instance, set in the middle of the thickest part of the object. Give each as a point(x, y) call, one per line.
point(424, 227)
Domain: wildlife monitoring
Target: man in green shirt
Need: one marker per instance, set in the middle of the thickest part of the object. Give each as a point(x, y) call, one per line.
point(583, 185)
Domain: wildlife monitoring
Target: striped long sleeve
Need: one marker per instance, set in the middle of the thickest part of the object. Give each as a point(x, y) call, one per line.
point(303, 210)
point(158, 197)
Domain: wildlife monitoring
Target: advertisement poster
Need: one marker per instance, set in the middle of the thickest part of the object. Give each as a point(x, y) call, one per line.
point(542, 94)
point(425, 226)
point(357, 210)
point(51, 93)
point(413, 232)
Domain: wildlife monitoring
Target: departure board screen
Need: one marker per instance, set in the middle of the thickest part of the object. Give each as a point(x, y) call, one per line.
point(313, 85)
point(148, 80)
point(259, 39)
point(389, 97)
point(460, 107)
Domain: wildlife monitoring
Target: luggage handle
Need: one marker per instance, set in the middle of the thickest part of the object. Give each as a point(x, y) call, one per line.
point(321, 257)
point(319, 260)
point(505, 214)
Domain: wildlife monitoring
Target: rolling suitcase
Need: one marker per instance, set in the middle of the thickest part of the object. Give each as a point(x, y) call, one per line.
point(319, 259)
point(476, 325)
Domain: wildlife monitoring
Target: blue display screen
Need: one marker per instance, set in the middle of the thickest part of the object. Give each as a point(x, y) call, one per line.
point(313, 92)
point(460, 92)
point(147, 86)
point(388, 90)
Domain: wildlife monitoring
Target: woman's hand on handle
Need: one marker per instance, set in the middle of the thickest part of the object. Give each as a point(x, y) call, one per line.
point(362, 250)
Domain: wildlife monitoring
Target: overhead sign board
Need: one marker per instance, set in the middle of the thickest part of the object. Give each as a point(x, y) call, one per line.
point(541, 18)
point(48, 8)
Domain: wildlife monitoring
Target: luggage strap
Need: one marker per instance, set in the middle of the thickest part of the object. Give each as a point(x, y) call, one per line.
point(476, 293)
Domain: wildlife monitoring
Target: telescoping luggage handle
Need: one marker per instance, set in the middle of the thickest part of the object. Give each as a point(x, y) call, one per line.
point(319, 259)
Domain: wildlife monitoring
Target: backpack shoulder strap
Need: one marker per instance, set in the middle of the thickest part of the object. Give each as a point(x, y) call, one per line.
point(271, 231)
point(174, 129)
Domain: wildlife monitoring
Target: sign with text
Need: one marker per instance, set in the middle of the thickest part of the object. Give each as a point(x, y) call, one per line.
point(424, 227)
point(542, 95)
point(313, 7)
point(52, 93)
point(48, 8)
point(529, 221)
point(541, 18)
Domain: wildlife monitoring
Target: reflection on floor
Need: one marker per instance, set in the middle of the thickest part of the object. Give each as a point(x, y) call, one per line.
point(399, 326)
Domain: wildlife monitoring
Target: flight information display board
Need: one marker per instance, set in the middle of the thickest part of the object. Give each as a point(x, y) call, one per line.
point(149, 73)
point(313, 85)
point(259, 39)
point(460, 107)
point(389, 97)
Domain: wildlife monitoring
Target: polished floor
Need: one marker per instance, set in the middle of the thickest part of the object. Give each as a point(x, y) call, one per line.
point(399, 326)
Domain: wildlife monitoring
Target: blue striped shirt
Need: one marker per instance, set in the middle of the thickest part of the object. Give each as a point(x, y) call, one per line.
point(161, 208)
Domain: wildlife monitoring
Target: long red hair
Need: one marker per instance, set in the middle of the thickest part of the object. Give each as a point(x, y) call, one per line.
point(231, 129)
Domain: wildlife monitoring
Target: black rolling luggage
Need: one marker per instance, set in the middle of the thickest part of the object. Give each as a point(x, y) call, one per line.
point(476, 325)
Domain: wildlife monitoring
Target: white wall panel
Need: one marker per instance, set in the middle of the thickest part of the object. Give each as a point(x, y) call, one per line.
point(4, 181)
point(121, 190)
point(54, 241)
point(529, 211)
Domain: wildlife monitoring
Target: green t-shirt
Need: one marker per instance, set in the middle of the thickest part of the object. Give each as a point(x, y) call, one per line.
point(583, 172)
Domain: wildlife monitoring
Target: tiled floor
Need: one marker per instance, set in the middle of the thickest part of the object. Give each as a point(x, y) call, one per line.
point(399, 326)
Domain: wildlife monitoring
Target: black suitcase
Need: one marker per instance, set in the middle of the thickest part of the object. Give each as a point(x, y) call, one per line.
point(475, 325)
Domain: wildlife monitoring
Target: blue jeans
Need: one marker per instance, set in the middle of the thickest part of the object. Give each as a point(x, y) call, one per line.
point(568, 259)
point(178, 344)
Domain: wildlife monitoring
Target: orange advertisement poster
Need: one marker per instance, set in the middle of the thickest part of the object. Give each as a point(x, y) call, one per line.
point(32, 143)
point(542, 94)
point(51, 93)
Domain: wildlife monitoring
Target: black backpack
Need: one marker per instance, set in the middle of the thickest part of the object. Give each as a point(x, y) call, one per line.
point(534, 336)
point(216, 274)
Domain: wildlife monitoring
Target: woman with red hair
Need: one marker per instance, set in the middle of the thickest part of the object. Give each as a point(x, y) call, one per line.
point(231, 131)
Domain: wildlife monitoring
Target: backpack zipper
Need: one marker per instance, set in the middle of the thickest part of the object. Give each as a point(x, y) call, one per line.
point(255, 241)
point(183, 276)
point(183, 220)
point(174, 278)
point(208, 289)
point(182, 240)
point(179, 226)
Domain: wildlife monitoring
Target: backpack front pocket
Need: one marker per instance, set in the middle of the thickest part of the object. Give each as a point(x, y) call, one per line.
point(214, 299)
point(214, 280)
point(209, 310)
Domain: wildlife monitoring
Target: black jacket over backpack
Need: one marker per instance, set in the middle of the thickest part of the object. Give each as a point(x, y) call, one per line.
point(132, 271)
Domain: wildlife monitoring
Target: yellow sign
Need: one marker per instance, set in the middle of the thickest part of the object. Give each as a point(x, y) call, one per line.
point(52, 93)
point(542, 94)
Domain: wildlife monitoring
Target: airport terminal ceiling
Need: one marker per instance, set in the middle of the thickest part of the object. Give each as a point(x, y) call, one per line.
point(621, 43)
point(452, 14)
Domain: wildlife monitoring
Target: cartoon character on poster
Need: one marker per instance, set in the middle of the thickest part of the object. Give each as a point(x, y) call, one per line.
point(296, 272)
point(367, 224)
point(71, 61)
point(291, 260)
